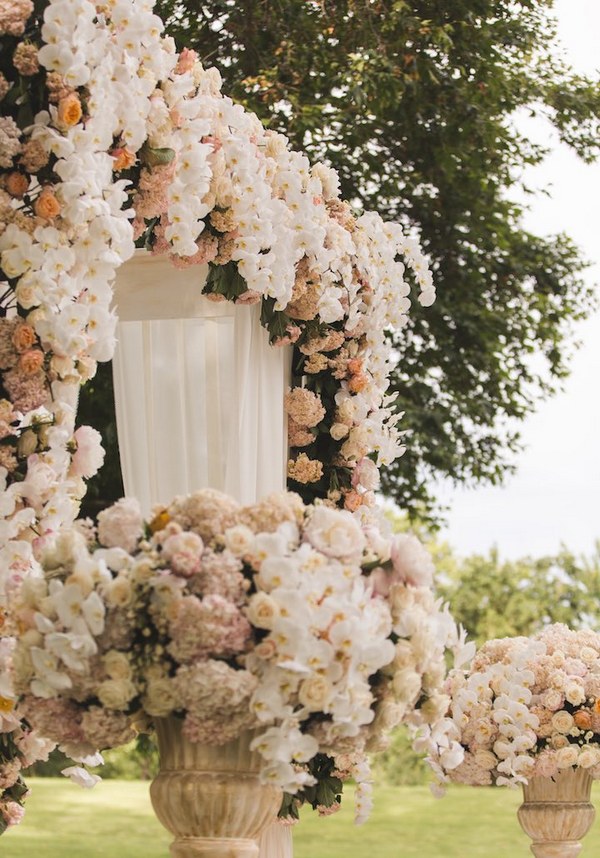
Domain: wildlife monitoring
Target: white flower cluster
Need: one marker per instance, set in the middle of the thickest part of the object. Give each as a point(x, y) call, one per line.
point(63, 272)
point(528, 707)
point(260, 617)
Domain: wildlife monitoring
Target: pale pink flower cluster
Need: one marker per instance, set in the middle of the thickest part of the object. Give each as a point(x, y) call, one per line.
point(528, 707)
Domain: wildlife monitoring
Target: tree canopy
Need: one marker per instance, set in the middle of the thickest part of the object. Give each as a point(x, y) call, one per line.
point(417, 105)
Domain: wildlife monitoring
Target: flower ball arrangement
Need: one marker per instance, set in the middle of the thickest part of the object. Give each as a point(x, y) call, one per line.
point(527, 707)
point(296, 621)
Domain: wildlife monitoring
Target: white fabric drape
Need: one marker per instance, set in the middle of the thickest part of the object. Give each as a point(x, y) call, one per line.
point(198, 389)
point(199, 401)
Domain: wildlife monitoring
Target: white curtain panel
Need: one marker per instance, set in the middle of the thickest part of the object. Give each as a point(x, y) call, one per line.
point(199, 401)
point(198, 389)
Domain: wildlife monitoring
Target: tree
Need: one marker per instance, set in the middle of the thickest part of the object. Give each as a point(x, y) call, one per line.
point(414, 104)
point(493, 598)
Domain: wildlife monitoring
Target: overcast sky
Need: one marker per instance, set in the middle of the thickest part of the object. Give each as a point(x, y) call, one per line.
point(555, 496)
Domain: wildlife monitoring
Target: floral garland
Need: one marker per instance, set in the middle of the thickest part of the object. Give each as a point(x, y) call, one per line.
point(97, 121)
point(289, 619)
point(107, 138)
point(527, 707)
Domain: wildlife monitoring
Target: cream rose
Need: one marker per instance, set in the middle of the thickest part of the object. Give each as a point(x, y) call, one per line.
point(575, 694)
point(588, 757)
point(407, 685)
point(567, 756)
point(117, 664)
point(262, 611)
point(119, 593)
point(588, 655)
point(160, 698)
point(116, 693)
point(315, 693)
point(239, 540)
point(563, 721)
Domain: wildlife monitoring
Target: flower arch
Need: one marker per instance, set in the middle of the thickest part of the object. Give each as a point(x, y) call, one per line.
point(111, 140)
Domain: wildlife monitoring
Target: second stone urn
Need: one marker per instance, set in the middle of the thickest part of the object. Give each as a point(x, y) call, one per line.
point(210, 797)
point(557, 813)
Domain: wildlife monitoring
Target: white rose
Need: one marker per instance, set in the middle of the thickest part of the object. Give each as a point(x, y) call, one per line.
point(567, 756)
point(335, 533)
point(558, 741)
point(315, 693)
point(552, 699)
point(116, 693)
point(117, 664)
point(562, 721)
point(239, 540)
point(160, 698)
point(588, 655)
point(262, 611)
point(588, 757)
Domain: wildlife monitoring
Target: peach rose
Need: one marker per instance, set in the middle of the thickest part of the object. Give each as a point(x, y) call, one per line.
point(31, 361)
point(583, 719)
point(23, 337)
point(46, 205)
point(17, 184)
point(123, 159)
point(69, 110)
point(358, 382)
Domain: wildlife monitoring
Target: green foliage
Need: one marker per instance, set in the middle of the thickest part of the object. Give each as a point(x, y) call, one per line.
point(414, 104)
point(399, 765)
point(493, 598)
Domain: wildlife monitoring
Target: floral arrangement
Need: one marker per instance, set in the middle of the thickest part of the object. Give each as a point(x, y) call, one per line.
point(20, 747)
point(108, 139)
point(528, 707)
point(287, 618)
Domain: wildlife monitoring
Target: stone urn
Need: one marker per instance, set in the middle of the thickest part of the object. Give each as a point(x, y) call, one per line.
point(210, 797)
point(557, 813)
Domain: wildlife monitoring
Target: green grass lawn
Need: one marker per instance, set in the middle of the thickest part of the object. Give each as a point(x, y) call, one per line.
point(115, 819)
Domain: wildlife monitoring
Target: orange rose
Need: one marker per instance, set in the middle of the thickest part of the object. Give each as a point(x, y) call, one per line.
point(17, 184)
point(597, 706)
point(46, 205)
point(352, 501)
point(69, 110)
point(583, 719)
point(31, 361)
point(123, 159)
point(23, 337)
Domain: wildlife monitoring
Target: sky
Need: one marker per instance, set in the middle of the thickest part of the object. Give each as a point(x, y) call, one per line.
point(554, 497)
